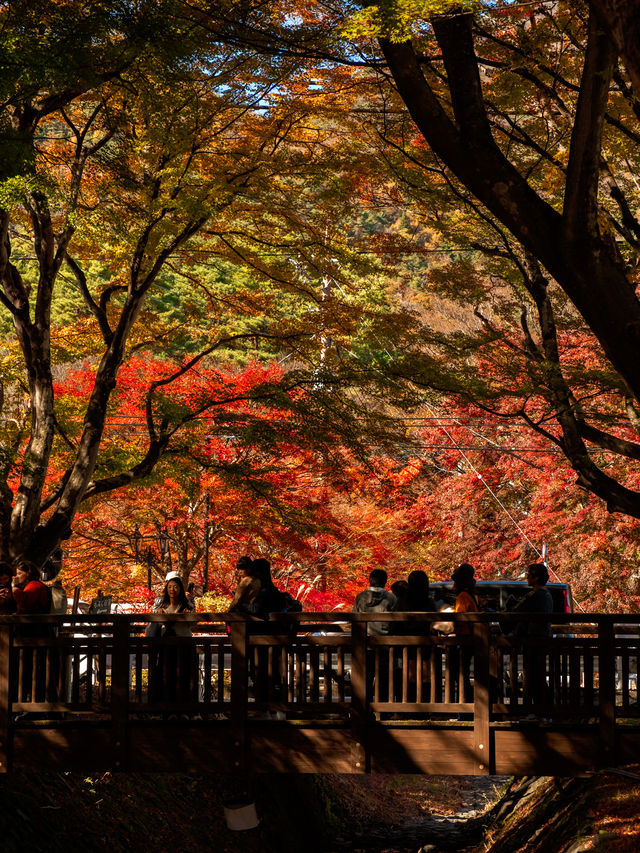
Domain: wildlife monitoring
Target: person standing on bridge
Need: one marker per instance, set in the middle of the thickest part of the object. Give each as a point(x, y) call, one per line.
point(248, 587)
point(269, 675)
point(417, 599)
point(33, 597)
point(377, 599)
point(538, 600)
point(464, 587)
point(174, 670)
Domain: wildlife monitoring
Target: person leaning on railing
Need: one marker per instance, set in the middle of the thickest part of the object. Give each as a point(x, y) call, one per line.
point(416, 599)
point(538, 600)
point(32, 597)
point(248, 587)
point(376, 599)
point(175, 667)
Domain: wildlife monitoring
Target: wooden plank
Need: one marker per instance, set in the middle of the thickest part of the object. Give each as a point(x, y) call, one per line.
point(439, 708)
point(513, 679)
point(281, 748)
point(627, 745)
point(588, 693)
point(74, 748)
point(239, 694)
point(340, 672)
point(314, 674)
point(102, 674)
point(624, 677)
point(359, 753)
point(327, 680)
point(421, 750)
point(170, 747)
point(533, 751)
point(220, 674)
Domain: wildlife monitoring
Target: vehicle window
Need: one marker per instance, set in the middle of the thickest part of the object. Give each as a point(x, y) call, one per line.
point(495, 596)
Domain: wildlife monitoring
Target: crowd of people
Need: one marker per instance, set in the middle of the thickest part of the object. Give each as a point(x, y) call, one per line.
point(412, 595)
point(174, 666)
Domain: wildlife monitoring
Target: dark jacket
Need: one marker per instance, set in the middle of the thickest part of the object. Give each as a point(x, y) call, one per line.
point(268, 600)
point(375, 599)
point(539, 600)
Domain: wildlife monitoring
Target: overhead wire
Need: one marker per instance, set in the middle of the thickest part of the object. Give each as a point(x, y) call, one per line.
point(495, 497)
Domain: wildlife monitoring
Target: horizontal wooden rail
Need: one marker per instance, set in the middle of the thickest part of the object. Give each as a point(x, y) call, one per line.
point(320, 692)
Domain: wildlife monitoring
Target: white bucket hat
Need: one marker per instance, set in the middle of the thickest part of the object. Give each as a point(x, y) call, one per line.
point(173, 576)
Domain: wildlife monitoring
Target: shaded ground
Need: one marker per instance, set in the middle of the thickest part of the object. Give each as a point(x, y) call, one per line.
point(123, 813)
point(67, 812)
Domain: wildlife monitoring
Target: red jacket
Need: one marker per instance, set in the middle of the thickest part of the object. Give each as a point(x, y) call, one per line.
point(34, 598)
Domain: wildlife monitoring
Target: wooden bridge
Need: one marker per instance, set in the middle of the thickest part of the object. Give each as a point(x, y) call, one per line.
point(317, 693)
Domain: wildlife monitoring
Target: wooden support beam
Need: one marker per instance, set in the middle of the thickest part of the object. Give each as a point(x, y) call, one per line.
point(607, 692)
point(485, 760)
point(361, 759)
point(240, 650)
point(120, 694)
point(5, 697)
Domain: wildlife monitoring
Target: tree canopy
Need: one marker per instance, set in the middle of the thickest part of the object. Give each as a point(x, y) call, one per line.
point(142, 149)
point(396, 200)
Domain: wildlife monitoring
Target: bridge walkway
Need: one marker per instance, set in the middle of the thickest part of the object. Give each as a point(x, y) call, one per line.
point(317, 693)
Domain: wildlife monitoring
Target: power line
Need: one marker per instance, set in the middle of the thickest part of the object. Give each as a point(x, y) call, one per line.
point(487, 486)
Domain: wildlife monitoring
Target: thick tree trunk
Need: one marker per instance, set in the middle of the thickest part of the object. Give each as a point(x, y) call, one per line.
point(621, 20)
point(580, 259)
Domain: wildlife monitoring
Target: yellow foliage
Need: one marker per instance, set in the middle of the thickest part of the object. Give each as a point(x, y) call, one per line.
point(398, 20)
point(213, 602)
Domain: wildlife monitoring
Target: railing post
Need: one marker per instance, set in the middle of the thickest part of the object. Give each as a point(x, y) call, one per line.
point(482, 745)
point(239, 694)
point(120, 692)
point(360, 760)
point(607, 691)
point(5, 697)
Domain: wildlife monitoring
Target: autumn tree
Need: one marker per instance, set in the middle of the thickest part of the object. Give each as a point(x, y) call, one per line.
point(137, 147)
point(526, 118)
point(247, 479)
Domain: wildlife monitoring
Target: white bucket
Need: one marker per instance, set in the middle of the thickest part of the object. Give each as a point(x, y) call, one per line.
point(241, 815)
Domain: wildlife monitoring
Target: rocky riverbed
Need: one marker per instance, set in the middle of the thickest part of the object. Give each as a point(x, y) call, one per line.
point(433, 833)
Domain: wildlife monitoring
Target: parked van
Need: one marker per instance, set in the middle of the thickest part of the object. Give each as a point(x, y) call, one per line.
point(500, 595)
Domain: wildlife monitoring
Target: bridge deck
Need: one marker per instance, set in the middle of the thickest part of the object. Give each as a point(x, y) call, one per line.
point(316, 693)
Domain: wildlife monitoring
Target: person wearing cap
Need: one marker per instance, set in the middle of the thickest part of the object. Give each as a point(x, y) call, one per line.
point(176, 665)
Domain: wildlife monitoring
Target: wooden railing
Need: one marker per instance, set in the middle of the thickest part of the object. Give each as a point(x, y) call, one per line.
point(95, 692)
